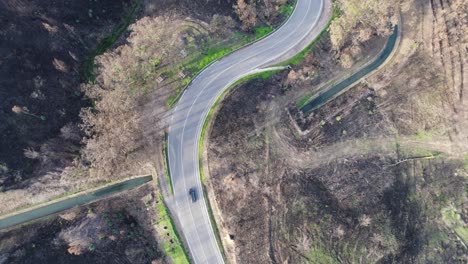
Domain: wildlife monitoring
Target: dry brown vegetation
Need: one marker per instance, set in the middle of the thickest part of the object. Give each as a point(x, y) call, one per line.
point(252, 13)
point(126, 79)
point(136, 80)
point(358, 22)
point(369, 177)
point(43, 46)
point(147, 67)
point(367, 18)
point(125, 104)
point(118, 229)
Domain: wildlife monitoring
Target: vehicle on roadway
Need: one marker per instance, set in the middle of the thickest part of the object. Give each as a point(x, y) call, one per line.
point(193, 194)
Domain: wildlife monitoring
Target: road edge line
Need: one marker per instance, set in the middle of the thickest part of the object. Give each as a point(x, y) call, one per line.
point(167, 170)
point(210, 117)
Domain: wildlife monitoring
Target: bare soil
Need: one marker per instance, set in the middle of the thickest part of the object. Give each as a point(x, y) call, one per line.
point(115, 230)
point(43, 45)
point(365, 178)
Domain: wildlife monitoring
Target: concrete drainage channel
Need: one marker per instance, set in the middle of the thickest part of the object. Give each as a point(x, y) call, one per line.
point(76, 200)
point(331, 92)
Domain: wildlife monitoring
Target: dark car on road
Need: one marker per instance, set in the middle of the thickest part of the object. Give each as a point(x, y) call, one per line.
point(193, 194)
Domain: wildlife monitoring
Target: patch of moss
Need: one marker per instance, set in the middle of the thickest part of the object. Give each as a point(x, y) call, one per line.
point(89, 64)
point(422, 135)
point(453, 219)
point(466, 162)
point(320, 256)
point(173, 247)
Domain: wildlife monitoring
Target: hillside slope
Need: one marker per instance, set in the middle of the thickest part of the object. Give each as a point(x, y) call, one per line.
point(377, 175)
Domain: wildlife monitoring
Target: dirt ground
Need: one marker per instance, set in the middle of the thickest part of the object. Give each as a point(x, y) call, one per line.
point(43, 152)
point(114, 230)
point(43, 47)
point(367, 178)
point(43, 44)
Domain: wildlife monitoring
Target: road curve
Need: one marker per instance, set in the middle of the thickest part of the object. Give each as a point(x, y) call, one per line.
point(305, 24)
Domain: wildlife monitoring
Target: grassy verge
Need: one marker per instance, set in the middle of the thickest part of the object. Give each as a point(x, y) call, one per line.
point(175, 98)
point(466, 162)
point(422, 135)
point(453, 219)
point(261, 75)
point(301, 55)
point(301, 103)
point(171, 245)
point(89, 64)
point(212, 54)
point(214, 225)
point(260, 32)
point(303, 100)
point(166, 166)
point(209, 56)
point(287, 9)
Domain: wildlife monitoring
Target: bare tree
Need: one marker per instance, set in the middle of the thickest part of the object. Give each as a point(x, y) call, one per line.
point(24, 110)
point(220, 23)
point(70, 132)
point(247, 14)
point(359, 20)
point(17, 110)
point(31, 153)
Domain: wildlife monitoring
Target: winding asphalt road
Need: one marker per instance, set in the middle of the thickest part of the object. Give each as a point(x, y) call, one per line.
point(305, 24)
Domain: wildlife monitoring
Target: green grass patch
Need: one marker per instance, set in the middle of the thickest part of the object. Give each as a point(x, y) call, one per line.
point(453, 219)
point(198, 64)
point(167, 171)
point(174, 250)
point(260, 32)
point(318, 255)
point(89, 64)
point(466, 162)
point(422, 135)
point(173, 99)
point(265, 75)
point(261, 75)
point(420, 152)
point(462, 232)
point(411, 152)
point(286, 10)
point(303, 100)
point(211, 55)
